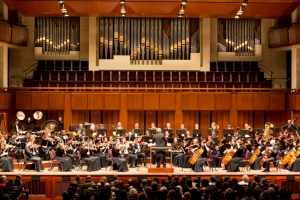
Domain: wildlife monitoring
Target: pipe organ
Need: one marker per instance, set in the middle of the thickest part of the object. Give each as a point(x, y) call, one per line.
point(57, 35)
point(239, 36)
point(148, 41)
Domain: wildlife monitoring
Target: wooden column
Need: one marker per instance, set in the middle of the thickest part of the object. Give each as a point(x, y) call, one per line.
point(68, 111)
point(233, 115)
point(123, 110)
point(178, 111)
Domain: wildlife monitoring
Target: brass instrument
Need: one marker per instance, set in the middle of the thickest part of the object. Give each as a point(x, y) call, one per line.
point(20, 115)
point(268, 130)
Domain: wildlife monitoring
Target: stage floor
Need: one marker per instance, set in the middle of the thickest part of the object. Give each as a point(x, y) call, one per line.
point(144, 171)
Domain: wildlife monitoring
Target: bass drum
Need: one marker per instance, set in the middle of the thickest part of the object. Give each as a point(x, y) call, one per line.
point(49, 126)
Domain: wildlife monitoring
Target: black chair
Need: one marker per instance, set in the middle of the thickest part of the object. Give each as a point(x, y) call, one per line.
point(115, 76)
point(218, 76)
point(80, 76)
point(54, 75)
point(209, 76)
point(132, 76)
point(201, 76)
point(27, 161)
point(63, 75)
point(89, 76)
point(37, 75)
point(72, 76)
point(54, 161)
point(97, 76)
point(193, 76)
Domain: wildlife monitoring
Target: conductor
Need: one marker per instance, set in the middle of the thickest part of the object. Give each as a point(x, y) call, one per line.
point(160, 141)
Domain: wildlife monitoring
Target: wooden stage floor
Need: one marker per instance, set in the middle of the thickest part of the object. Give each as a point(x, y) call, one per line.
point(144, 171)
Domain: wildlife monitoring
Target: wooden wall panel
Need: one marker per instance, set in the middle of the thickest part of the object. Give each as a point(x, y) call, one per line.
point(151, 101)
point(150, 117)
point(135, 101)
point(292, 101)
point(95, 101)
point(135, 116)
point(223, 101)
point(245, 101)
point(277, 118)
point(56, 101)
point(55, 114)
point(277, 101)
point(221, 118)
point(164, 117)
point(204, 122)
point(80, 116)
point(206, 101)
point(9, 101)
point(190, 101)
point(112, 102)
point(190, 118)
point(79, 101)
point(23, 101)
point(2, 101)
point(110, 119)
point(261, 102)
point(297, 100)
point(39, 101)
point(259, 121)
point(244, 117)
point(95, 116)
point(167, 102)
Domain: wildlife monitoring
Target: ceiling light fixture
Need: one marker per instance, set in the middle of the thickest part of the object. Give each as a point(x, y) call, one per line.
point(60, 2)
point(180, 15)
point(181, 11)
point(245, 2)
point(122, 2)
point(123, 9)
point(66, 15)
point(236, 17)
point(183, 2)
point(63, 9)
point(182, 8)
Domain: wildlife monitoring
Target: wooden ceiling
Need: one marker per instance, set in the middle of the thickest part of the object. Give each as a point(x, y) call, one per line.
point(156, 8)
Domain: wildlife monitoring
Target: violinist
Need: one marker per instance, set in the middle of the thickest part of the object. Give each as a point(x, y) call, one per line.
point(218, 152)
point(31, 154)
point(140, 152)
point(129, 152)
point(288, 127)
point(233, 165)
point(100, 151)
point(198, 167)
point(294, 163)
point(192, 148)
point(117, 158)
point(257, 138)
point(210, 143)
point(281, 140)
point(6, 162)
point(179, 158)
point(16, 144)
point(72, 150)
point(273, 155)
point(66, 161)
point(93, 163)
point(45, 148)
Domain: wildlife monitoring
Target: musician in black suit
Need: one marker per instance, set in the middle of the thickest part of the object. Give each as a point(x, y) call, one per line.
point(79, 131)
point(119, 126)
point(15, 127)
point(160, 141)
point(29, 121)
point(60, 122)
point(16, 145)
point(273, 156)
point(290, 124)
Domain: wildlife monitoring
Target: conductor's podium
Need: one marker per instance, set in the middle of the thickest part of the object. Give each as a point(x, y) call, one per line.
point(163, 170)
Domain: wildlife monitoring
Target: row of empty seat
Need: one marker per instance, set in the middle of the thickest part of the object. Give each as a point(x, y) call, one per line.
point(230, 66)
point(148, 85)
point(50, 65)
point(142, 76)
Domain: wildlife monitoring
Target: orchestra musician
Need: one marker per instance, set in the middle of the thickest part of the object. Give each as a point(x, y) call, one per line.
point(16, 144)
point(260, 147)
point(61, 152)
point(101, 151)
point(6, 162)
point(138, 147)
point(229, 126)
point(29, 121)
point(197, 126)
point(152, 126)
point(45, 147)
point(290, 124)
point(71, 151)
point(129, 152)
point(218, 152)
point(78, 132)
point(117, 156)
point(60, 121)
point(15, 127)
point(93, 163)
point(198, 167)
point(273, 156)
point(178, 160)
point(233, 165)
point(119, 126)
point(214, 135)
point(214, 127)
point(160, 141)
point(30, 151)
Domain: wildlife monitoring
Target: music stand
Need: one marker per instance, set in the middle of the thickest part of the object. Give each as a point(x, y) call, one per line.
point(29, 127)
point(101, 132)
point(228, 138)
point(244, 132)
point(58, 128)
point(260, 130)
point(209, 131)
point(138, 131)
point(171, 132)
point(181, 132)
point(228, 132)
point(120, 132)
point(146, 139)
point(152, 131)
point(170, 140)
point(277, 129)
point(197, 133)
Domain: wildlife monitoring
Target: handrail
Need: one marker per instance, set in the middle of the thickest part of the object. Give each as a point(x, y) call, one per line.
point(134, 89)
point(25, 71)
point(267, 69)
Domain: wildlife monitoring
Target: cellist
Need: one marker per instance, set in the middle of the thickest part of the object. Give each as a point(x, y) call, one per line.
point(233, 165)
point(261, 146)
point(198, 167)
point(272, 156)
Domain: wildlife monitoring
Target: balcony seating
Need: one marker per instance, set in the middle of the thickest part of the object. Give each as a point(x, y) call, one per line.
point(252, 76)
point(80, 76)
point(54, 75)
point(167, 76)
point(63, 75)
point(132, 76)
point(141, 76)
point(193, 76)
point(45, 76)
point(158, 76)
point(184, 76)
point(123, 76)
point(218, 76)
point(175, 77)
point(149, 76)
point(235, 77)
point(72, 76)
point(37, 75)
point(243, 76)
point(106, 76)
point(114, 76)
point(226, 76)
point(97, 76)
point(210, 76)
point(201, 76)
point(89, 76)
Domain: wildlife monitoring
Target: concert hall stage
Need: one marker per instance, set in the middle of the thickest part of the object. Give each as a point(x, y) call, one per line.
point(50, 185)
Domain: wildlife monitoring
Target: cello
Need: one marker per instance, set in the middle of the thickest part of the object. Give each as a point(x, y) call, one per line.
point(229, 156)
point(265, 157)
point(254, 156)
point(193, 159)
point(295, 156)
point(288, 156)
